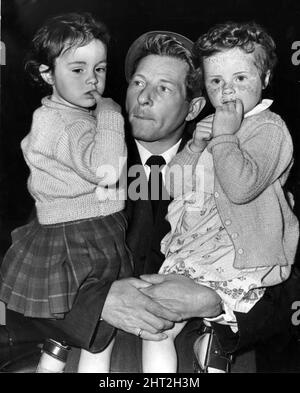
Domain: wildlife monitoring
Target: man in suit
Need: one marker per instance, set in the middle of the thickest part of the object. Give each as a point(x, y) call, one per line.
point(151, 106)
point(164, 94)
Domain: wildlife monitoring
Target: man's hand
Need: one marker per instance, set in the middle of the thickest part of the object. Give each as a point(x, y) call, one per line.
point(202, 135)
point(129, 309)
point(228, 118)
point(183, 296)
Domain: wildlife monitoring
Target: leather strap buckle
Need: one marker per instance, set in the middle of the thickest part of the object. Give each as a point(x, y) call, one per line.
point(56, 350)
point(209, 353)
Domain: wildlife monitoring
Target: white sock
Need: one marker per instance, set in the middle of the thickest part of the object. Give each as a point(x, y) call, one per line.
point(49, 364)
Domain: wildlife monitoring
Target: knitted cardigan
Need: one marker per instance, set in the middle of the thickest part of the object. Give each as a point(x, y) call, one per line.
point(73, 157)
point(251, 168)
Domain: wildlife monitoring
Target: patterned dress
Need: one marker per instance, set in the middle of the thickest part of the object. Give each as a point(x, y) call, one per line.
point(199, 247)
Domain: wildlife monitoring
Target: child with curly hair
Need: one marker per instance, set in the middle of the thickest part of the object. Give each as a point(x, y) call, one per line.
point(233, 228)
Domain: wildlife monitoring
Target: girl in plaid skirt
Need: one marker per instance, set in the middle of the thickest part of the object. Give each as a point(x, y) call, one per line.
point(75, 155)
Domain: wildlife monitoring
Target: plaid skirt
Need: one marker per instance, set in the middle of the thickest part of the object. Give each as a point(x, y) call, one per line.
point(47, 265)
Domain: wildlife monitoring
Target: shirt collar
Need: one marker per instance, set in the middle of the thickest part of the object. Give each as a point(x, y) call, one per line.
point(167, 155)
point(263, 105)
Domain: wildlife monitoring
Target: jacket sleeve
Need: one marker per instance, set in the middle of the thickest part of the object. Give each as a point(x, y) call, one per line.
point(269, 319)
point(81, 327)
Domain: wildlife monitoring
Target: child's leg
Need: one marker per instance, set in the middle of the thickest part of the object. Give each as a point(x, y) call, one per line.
point(54, 357)
point(95, 362)
point(161, 356)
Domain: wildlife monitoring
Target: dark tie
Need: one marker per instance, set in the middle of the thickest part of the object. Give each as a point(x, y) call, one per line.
point(155, 182)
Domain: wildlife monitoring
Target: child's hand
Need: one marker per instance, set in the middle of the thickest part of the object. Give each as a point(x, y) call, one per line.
point(106, 104)
point(202, 135)
point(228, 118)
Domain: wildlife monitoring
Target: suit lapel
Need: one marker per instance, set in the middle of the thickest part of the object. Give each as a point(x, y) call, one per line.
point(134, 159)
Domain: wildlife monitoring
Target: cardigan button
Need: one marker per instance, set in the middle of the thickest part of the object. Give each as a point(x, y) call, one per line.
point(240, 251)
point(227, 222)
point(234, 235)
point(216, 194)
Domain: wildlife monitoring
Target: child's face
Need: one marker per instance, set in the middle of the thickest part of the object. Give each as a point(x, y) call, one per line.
point(232, 74)
point(80, 72)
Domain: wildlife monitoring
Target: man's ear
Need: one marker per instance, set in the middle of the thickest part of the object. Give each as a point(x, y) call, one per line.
point(267, 79)
point(46, 74)
point(196, 106)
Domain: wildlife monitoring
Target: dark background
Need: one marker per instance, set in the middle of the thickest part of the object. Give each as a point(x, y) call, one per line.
point(127, 19)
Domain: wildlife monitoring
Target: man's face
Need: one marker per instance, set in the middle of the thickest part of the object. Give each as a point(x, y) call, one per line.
point(156, 100)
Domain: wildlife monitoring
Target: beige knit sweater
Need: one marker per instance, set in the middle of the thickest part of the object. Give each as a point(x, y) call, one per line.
point(73, 157)
point(251, 167)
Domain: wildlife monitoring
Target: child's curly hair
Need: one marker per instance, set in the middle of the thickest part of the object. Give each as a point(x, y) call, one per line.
point(246, 36)
point(60, 34)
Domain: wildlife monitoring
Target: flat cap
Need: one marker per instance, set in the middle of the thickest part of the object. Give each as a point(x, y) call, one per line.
point(135, 49)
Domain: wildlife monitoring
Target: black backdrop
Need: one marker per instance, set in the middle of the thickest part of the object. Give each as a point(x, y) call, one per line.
point(127, 19)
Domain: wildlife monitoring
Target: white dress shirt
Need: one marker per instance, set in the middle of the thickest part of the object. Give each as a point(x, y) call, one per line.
point(167, 155)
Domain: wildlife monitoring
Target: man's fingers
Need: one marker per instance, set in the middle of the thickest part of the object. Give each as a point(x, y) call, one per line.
point(146, 320)
point(146, 335)
point(128, 309)
point(153, 278)
point(154, 324)
point(153, 337)
point(158, 309)
point(135, 282)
